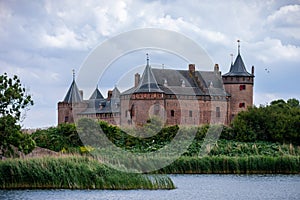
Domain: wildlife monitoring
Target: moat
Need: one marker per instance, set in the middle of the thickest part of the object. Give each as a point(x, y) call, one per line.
point(188, 187)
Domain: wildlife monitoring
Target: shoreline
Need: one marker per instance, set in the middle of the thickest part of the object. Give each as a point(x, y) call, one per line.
point(82, 172)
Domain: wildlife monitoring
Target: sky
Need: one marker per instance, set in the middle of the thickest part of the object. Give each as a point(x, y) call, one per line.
point(42, 41)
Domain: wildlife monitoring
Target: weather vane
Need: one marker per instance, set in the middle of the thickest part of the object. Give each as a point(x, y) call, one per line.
point(73, 70)
point(239, 46)
point(147, 58)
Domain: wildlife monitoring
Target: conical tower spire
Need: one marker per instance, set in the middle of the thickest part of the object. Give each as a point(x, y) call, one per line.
point(238, 67)
point(73, 95)
point(148, 82)
point(97, 94)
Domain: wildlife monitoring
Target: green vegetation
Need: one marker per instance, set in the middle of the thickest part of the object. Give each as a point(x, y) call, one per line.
point(235, 165)
point(225, 155)
point(261, 139)
point(75, 172)
point(277, 122)
point(13, 100)
point(64, 136)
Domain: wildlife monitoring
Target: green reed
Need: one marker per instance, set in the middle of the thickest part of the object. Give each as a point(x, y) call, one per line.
point(73, 172)
point(234, 165)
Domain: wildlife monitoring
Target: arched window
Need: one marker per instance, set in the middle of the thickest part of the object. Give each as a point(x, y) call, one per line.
point(172, 113)
point(132, 111)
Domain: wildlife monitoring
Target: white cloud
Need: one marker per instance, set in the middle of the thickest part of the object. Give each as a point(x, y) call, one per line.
point(286, 16)
point(61, 37)
point(286, 21)
point(42, 41)
point(272, 50)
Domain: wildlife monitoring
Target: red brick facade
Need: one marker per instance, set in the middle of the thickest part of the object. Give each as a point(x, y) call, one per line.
point(183, 97)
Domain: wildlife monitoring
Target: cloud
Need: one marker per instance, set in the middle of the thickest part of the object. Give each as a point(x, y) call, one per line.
point(286, 21)
point(272, 50)
point(286, 16)
point(42, 41)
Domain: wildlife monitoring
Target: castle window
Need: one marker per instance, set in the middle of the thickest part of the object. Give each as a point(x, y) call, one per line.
point(172, 113)
point(66, 119)
point(242, 87)
point(242, 105)
point(190, 113)
point(218, 112)
point(132, 111)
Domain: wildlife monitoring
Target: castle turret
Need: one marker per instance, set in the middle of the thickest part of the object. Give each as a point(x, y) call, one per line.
point(146, 99)
point(72, 103)
point(239, 84)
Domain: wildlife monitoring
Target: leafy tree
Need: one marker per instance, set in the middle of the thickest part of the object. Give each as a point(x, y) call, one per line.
point(293, 103)
point(64, 136)
point(277, 122)
point(13, 100)
point(13, 97)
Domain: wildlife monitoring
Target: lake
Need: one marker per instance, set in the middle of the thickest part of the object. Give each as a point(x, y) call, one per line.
point(188, 187)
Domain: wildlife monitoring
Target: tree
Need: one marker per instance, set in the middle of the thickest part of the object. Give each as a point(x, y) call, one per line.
point(277, 122)
point(13, 100)
point(293, 103)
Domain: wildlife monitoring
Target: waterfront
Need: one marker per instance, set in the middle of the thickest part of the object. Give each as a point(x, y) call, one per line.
point(188, 187)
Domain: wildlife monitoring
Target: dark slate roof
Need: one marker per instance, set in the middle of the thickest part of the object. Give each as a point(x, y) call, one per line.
point(238, 68)
point(73, 95)
point(148, 82)
point(129, 91)
point(112, 106)
point(96, 94)
point(115, 93)
point(180, 82)
point(93, 106)
point(171, 77)
point(213, 83)
point(98, 106)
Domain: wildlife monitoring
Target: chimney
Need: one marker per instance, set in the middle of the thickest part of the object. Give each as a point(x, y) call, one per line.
point(252, 70)
point(109, 95)
point(216, 68)
point(192, 68)
point(137, 78)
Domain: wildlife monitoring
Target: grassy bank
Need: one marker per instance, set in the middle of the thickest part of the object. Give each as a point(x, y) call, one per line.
point(73, 172)
point(234, 165)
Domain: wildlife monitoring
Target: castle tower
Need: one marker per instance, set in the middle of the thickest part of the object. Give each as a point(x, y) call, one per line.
point(71, 103)
point(145, 100)
point(238, 83)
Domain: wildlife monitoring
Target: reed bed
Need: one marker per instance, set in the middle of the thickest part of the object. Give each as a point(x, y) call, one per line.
point(234, 165)
point(74, 172)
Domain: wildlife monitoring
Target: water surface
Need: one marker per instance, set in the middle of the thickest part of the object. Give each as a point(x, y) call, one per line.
point(188, 187)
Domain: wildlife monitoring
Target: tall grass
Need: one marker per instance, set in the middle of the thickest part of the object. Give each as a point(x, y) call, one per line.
point(73, 172)
point(235, 165)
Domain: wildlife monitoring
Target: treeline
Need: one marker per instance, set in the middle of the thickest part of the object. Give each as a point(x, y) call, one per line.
point(278, 122)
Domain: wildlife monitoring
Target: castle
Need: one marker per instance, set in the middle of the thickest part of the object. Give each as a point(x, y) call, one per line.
point(186, 97)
